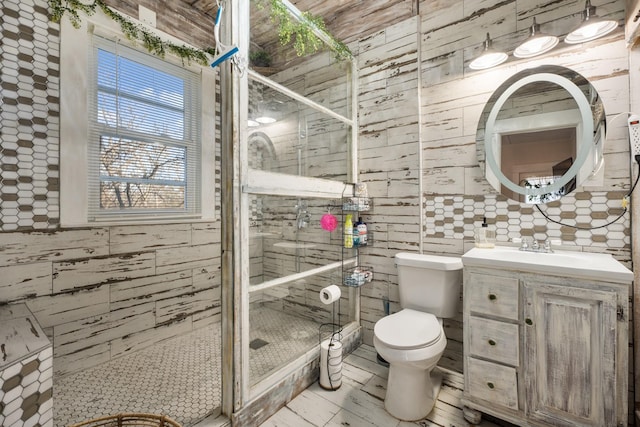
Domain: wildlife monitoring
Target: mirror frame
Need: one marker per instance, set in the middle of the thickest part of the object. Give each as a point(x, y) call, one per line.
point(585, 144)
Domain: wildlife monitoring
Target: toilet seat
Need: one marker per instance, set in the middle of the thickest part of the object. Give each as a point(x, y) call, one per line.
point(408, 329)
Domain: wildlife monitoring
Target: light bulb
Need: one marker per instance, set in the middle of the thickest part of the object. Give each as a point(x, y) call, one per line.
point(265, 120)
point(489, 58)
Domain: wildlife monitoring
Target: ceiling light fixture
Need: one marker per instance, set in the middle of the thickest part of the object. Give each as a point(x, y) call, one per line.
point(265, 120)
point(537, 43)
point(489, 57)
point(252, 123)
point(591, 28)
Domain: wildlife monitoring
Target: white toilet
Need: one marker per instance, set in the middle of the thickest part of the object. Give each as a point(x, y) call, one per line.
point(412, 340)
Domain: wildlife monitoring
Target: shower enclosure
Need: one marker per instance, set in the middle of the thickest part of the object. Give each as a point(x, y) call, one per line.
point(293, 161)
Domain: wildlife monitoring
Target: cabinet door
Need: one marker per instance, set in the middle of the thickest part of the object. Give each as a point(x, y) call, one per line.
point(569, 355)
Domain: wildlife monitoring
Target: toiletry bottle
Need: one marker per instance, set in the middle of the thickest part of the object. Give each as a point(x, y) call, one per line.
point(483, 236)
point(348, 232)
point(362, 232)
point(356, 235)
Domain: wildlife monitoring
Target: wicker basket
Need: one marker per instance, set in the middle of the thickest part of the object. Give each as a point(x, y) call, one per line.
point(131, 420)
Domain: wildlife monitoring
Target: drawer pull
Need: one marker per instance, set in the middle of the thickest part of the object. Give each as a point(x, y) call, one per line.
point(493, 297)
point(492, 342)
point(490, 385)
point(528, 321)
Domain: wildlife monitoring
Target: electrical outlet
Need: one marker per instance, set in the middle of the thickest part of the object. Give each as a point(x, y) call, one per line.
point(634, 134)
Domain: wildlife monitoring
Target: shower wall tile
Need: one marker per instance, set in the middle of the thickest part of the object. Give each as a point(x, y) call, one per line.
point(184, 305)
point(186, 257)
point(203, 233)
point(56, 245)
point(70, 275)
point(65, 364)
point(25, 280)
point(100, 281)
point(90, 336)
point(137, 341)
point(68, 307)
point(206, 278)
point(127, 293)
point(136, 238)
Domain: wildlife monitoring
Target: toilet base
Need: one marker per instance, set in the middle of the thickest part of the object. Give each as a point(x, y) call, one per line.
point(412, 393)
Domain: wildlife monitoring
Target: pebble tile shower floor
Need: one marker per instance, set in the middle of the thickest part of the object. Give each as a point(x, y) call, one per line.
point(179, 377)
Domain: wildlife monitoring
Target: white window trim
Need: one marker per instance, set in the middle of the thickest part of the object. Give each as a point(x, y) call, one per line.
point(75, 46)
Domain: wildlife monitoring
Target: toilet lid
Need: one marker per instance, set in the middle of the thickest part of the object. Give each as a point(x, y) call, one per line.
point(408, 329)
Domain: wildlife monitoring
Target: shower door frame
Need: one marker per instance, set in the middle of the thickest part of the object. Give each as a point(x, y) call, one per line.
point(239, 182)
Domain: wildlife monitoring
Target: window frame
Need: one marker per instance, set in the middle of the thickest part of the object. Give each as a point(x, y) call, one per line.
point(76, 47)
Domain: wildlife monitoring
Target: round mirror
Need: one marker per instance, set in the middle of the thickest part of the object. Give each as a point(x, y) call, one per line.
point(540, 134)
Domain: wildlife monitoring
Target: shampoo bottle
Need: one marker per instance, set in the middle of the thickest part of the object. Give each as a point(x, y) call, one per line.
point(362, 232)
point(356, 236)
point(348, 232)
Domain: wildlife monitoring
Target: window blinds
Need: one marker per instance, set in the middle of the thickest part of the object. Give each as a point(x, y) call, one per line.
point(144, 135)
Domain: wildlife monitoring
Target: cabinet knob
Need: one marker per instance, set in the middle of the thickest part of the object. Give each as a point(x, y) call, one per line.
point(493, 297)
point(492, 342)
point(528, 321)
point(490, 385)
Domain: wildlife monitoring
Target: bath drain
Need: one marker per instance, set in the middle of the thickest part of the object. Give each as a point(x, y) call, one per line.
point(257, 343)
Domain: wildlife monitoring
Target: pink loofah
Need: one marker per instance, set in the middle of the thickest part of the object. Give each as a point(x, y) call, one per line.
point(329, 222)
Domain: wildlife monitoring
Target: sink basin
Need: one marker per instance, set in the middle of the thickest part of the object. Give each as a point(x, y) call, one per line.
point(564, 263)
point(294, 245)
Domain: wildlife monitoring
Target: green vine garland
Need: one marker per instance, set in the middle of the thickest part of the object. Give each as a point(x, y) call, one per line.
point(131, 30)
point(305, 40)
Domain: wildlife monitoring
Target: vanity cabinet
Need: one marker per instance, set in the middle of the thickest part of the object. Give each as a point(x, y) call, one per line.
point(544, 350)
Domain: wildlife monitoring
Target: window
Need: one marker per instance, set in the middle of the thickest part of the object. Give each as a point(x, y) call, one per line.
point(144, 134)
point(137, 135)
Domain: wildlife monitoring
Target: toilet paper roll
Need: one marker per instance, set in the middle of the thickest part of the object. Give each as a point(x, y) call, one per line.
point(330, 364)
point(330, 294)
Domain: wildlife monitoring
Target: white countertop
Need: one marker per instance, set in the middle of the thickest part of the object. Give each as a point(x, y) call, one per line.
point(559, 263)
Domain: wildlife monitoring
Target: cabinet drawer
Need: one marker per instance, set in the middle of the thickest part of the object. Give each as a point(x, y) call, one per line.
point(492, 382)
point(492, 295)
point(493, 340)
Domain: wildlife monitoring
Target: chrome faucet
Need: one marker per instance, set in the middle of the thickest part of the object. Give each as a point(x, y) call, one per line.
point(303, 217)
point(535, 246)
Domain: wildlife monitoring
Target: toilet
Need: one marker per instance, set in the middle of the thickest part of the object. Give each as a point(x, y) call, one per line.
point(413, 340)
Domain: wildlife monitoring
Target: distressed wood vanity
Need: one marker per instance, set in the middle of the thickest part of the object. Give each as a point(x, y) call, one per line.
point(546, 337)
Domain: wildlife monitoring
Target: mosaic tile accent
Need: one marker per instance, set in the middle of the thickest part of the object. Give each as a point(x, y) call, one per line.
point(455, 217)
point(26, 392)
point(26, 370)
point(29, 117)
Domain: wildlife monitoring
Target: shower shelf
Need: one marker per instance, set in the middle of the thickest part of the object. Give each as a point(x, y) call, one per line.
point(357, 204)
point(359, 274)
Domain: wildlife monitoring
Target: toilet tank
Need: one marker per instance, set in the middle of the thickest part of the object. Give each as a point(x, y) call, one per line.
point(429, 283)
